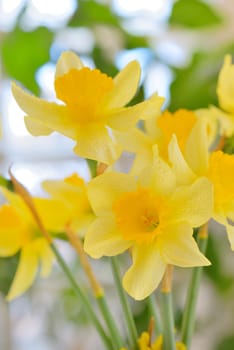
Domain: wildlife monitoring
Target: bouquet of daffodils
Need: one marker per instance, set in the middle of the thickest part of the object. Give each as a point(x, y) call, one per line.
point(179, 179)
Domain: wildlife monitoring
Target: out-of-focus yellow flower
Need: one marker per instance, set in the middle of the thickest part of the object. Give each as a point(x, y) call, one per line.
point(146, 344)
point(225, 86)
point(93, 107)
point(152, 216)
point(19, 233)
point(223, 116)
point(73, 193)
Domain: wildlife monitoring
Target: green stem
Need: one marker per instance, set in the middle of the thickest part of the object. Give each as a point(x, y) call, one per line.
point(154, 312)
point(114, 332)
point(168, 321)
point(125, 305)
point(188, 320)
point(82, 297)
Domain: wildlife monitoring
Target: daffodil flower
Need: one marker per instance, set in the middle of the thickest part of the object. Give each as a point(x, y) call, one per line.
point(91, 108)
point(217, 166)
point(73, 193)
point(151, 216)
point(19, 233)
point(159, 130)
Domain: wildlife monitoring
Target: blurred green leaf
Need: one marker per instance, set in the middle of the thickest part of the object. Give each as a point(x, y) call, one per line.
point(195, 86)
point(226, 343)
point(7, 271)
point(103, 62)
point(90, 13)
point(194, 14)
point(229, 145)
point(24, 52)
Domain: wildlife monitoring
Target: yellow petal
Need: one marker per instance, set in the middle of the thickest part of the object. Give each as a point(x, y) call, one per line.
point(67, 61)
point(10, 227)
point(95, 142)
point(53, 213)
point(25, 273)
point(225, 86)
point(18, 204)
point(179, 248)
point(126, 118)
point(159, 177)
point(125, 86)
point(196, 151)
point(36, 128)
point(193, 203)
point(103, 238)
point(49, 114)
point(146, 272)
point(180, 167)
point(105, 189)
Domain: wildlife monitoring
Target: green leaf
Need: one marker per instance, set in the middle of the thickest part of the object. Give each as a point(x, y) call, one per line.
point(24, 52)
point(8, 268)
point(195, 86)
point(90, 13)
point(194, 14)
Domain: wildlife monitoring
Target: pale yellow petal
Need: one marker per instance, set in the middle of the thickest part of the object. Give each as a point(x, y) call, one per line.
point(222, 219)
point(225, 121)
point(103, 238)
point(126, 118)
point(178, 247)
point(196, 152)
point(159, 177)
point(25, 273)
point(36, 107)
point(184, 174)
point(95, 142)
point(45, 256)
point(105, 189)
point(36, 128)
point(67, 61)
point(146, 272)
point(193, 203)
point(225, 85)
point(125, 86)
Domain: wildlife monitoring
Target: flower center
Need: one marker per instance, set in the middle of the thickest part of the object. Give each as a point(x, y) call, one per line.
point(138, 215)
point(83, 91)
point(220, 173)
point(179, 123)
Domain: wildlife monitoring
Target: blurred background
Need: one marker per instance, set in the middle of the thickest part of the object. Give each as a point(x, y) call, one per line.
point(180, 46)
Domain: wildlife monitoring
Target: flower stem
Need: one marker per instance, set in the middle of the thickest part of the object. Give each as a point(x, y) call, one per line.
point(114, 332)
point(188, 320)
point(167, 311)
point(154, 312)
point(96, 288)
point(82, 297)
point(92, 165)
point(125, 305)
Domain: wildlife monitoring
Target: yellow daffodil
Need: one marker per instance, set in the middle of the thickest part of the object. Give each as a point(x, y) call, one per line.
point(72, 192)
point(145, 343)
point(92, 107)
point(151, 216)
point(19, 233)
point(159, 130)
point(217, 166)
